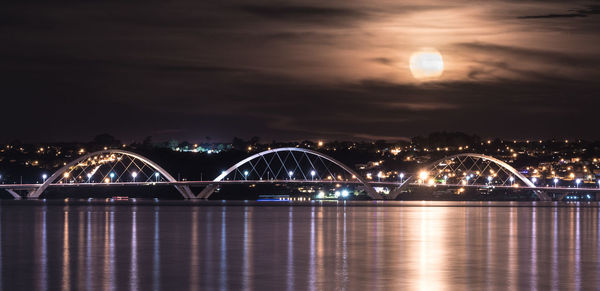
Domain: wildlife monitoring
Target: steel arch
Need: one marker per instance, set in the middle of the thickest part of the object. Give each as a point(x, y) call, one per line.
point(498, 162)
point(212, 187)
point(185, 191)
point(492, 159)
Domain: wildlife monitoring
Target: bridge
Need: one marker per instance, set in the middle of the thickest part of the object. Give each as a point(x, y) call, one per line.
point(288, 166)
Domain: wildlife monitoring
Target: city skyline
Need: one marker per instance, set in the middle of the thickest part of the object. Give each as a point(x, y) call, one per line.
point(301, 70)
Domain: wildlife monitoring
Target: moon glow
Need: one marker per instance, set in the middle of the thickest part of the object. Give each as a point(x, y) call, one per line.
point(426, 64)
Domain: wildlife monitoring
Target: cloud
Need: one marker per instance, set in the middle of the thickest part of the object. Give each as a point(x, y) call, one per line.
point(421, 106)
point(294, 69)
point(591, 9)
point(275, 107)
point(382, 137)
point(298, 13)
point(529, 62)
point(568, 15)
point(383, 61)
point(575, 13)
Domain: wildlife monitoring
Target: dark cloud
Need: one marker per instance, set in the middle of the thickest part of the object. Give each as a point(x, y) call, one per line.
point(132, 65)
point(589, 10)
point(164, 103)
point(189, 69)
point(588, 61)
point(383, 61)
point(312, 14)
point(387, 109)
point(568, 15)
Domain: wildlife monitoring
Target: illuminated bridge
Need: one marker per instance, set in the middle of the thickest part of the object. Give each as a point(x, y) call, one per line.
point(288, 166)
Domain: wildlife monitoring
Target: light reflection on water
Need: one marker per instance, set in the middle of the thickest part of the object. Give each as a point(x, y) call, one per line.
point(231, 247)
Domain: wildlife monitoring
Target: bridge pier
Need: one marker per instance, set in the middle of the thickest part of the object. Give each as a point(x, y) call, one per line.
point(14, 194)
point(186, 192)
point(207, 191)
point(372, 192)
point(395, 192)
point(543, 195)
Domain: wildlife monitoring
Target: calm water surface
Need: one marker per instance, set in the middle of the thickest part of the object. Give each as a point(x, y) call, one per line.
point(435, 246)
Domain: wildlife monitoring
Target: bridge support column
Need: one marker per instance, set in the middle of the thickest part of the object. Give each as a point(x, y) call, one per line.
point(186, 192)
point(372, 192)
point(395, 192)
point(562, 196)
point(36, 193)
point(207, 191)
point(14, 194)
point(542, 195)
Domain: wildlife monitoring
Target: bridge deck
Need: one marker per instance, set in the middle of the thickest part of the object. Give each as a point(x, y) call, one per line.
point(305, 182)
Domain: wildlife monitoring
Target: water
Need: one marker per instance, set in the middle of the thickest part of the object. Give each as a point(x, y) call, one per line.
point(256, 246)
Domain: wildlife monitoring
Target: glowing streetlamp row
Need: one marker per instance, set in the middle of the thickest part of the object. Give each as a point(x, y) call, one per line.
point(423, 175)
point(290, 174)
point(112, 175)
point(313, 173)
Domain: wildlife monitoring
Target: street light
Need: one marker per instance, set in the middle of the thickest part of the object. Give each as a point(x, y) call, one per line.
point(423, 176)
point(89, 175)
point(345, 193)
point(512, 179)
point(577, 181)
point(134, 174)
point(321, 195)
point(555, 182)
point(490, 178)
point(312, 174)
point(598, 183)
point(156, 175)
point(246, 175)
point(112, 175)
point(291, 173)
point(533, 180)
point(379, 175)
point(44, 177)
point(468, 178)
point(401, 177)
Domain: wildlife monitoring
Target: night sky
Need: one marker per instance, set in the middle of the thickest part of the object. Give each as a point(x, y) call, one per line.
point(297, 69)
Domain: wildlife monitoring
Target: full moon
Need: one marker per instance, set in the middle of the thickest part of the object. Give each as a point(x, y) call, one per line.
point(426, 63)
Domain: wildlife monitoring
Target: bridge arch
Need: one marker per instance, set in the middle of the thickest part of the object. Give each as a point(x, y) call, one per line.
point(212, 187)
point(185, 191)
point(496, 161)
point(469, 163)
